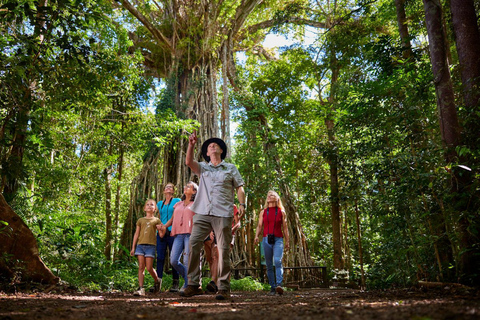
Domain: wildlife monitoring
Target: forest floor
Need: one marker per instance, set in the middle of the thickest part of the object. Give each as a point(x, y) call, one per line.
point(444, 303)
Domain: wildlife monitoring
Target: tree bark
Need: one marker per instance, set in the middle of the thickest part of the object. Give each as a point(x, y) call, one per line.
point(20, 257)
point(403, 28)
point(360, 248)
point(117, 195)
point(332, 159)
point(467, 38)
point(142, 188)
point(107, 174)
point(449, 124)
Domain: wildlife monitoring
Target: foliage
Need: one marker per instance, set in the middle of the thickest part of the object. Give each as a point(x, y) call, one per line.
point(78, 94)
point(248, 284)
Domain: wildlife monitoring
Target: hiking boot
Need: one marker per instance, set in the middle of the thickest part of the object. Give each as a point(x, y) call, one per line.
point(191, 291)
point(279, 290)
point(272, 292)
point(212, 287)
point(139, 292)
point(223, 295)
point(174, 287)
point(157, 286)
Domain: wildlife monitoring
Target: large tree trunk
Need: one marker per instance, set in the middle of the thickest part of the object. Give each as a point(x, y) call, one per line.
point(449, 124)
point(298, 255)
point(20, 259)
point(332, 159)
point(142, 188)
point(21, 104)
point(12, 170)
point(198, 103)
point(467, 37)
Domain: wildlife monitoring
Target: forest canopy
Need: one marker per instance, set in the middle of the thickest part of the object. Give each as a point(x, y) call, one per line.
point(369, 132)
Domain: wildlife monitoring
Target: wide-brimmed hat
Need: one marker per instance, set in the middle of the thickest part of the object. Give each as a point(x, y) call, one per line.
point(218, 141)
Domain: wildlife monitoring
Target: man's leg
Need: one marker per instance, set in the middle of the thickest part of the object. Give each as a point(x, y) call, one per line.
point(223, 231)
point(201, 228)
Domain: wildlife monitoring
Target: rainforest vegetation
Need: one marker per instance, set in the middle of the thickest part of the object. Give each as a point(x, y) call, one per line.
point(367, 124)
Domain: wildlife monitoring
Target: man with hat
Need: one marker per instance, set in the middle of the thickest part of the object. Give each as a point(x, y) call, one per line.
point(214, 211)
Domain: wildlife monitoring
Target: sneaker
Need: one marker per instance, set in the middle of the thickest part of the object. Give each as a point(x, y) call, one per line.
point(191, 291)
point(139, 292)
point(182, 290)
point(272, 292)
point(158, 286)
point(223, 295)
point(279, 290)
point(212, 287)
point(174, 287)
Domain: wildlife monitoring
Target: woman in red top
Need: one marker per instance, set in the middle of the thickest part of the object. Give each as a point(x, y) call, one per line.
point(273, 223)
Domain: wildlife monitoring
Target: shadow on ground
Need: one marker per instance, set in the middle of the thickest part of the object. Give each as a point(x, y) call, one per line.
point(301, 304)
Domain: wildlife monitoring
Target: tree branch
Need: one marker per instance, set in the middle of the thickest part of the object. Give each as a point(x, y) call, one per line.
point(156, 34)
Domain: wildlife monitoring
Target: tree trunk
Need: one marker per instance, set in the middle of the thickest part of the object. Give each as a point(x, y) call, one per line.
point(298, 255)
point(403, 28)
point(19, 244)
point(225, 114)
point(346, 246)
point(107, 174)
point(117, 196)
point(360, 248)
point(199, 103)
point(449, 124)
point(12, 169)
point(467, 37)
point(332, 159)
point(142, 188)
point(22, 101)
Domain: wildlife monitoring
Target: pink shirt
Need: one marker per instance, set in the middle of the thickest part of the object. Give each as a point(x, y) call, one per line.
point(182, 218)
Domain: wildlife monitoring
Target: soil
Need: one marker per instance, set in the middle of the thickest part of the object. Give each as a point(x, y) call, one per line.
point(444, 303)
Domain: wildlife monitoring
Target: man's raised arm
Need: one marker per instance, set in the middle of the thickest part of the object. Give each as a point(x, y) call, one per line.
point(189, 161)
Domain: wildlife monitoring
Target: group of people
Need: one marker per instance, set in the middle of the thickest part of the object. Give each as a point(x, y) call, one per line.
point(205, 218)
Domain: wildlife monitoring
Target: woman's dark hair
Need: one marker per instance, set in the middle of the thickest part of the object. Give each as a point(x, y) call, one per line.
point(195, 187)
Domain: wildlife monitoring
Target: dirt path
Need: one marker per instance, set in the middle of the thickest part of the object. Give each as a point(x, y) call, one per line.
point(303, 304)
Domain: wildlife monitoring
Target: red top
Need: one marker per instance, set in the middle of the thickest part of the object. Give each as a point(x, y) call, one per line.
point(269, 219)
point(235, 214)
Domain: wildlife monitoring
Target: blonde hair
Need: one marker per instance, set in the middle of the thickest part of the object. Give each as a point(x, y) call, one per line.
point(279, 201)
point(154, 201)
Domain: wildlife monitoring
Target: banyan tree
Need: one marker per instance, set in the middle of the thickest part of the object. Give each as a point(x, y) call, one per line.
point(190, 45)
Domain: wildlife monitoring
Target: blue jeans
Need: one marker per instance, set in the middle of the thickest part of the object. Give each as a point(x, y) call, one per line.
point(274, 255)
point(162, 244)
point(181, 243)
